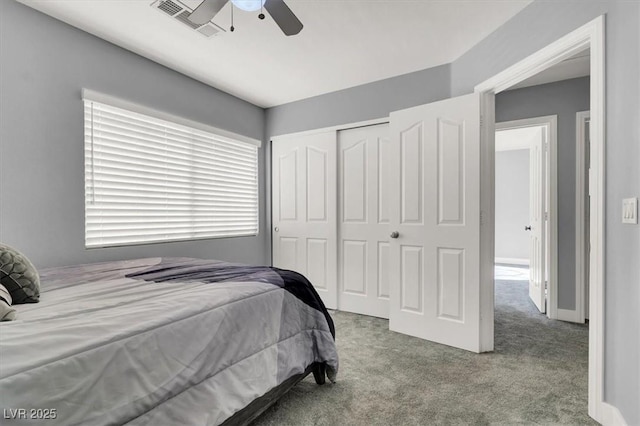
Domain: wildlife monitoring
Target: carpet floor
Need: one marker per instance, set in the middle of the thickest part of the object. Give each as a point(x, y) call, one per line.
point(536, 375)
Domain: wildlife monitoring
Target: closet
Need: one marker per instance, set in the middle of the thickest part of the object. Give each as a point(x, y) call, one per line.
point(385, 219)
point(330, 194)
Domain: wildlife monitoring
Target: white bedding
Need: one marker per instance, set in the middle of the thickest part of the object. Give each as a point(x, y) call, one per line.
point(101, 348)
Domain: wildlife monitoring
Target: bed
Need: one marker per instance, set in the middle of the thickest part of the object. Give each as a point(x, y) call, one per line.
point(162, 341)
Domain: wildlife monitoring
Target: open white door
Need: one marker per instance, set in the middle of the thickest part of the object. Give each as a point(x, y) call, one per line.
point(435, 199)
point(363, 220)
point(304, 209)
point(536, 227)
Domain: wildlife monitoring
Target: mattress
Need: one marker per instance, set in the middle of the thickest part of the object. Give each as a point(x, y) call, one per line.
point(158, 341)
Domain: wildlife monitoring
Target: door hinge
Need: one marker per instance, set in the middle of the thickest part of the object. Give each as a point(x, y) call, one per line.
point(546, 215)
point(482, 217)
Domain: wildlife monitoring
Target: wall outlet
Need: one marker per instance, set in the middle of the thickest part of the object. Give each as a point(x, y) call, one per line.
point(630, 211)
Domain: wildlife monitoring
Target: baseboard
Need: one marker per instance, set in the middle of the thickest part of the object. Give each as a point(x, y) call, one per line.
point(611, 416)
point(512, 261)
point(567, 315)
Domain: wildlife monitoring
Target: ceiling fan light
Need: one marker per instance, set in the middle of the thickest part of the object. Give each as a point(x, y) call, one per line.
point(248, 5)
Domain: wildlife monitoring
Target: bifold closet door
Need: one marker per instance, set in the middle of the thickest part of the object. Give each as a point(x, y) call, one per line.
point(363, 220)
point(304, 231)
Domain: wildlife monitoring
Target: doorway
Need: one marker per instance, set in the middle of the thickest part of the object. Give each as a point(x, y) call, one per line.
point(525, 207)
point(590, 36)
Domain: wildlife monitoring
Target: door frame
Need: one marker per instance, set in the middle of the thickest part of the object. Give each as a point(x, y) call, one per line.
point(581, 257)
point(592, 36)
point(551, 181)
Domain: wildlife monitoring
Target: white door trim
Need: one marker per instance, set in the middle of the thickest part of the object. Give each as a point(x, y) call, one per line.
point(487, 218)
point(592, 36)
point(346, 126)
point(581, 262)
point(551, 122)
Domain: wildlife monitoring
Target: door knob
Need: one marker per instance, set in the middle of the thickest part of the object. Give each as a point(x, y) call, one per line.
point(527, 228)
point(395, 234)
point(276, 229)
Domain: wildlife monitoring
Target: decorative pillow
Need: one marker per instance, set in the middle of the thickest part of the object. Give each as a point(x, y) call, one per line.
point(7, 313)
point(19, 276)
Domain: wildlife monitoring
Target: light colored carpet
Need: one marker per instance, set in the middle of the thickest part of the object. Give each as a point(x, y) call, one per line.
point(537, 375)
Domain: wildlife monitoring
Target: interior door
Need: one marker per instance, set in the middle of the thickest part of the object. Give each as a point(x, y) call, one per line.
point(435, 219)
point(304, 234)
point(536, 227)
point(363, 220)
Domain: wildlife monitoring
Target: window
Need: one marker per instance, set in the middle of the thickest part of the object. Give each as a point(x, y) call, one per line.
point(148, 179)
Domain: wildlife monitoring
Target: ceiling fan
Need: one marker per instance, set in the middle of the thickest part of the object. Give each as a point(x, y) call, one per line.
point(279, 11)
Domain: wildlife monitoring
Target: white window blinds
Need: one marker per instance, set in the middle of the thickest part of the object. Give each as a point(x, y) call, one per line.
point(151, 180)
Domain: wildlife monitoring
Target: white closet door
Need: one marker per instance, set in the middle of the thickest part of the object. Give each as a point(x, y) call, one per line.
point(304, 209)
point(435, 194)
point(363, 220)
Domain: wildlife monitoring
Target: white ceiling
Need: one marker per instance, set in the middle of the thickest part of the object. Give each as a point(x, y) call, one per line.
point(579, 65)
point(344, 43)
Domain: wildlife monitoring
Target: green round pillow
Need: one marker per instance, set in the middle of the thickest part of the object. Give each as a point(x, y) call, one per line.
point(19, 276)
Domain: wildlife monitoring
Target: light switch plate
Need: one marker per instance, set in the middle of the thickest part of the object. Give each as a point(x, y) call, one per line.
point(630, 211)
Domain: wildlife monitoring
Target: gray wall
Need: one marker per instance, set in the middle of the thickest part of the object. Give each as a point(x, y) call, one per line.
point(44, 65)
point(536, 26)
point(512, 204)
point(360, 103)
point(365, 102)
point(563, 99)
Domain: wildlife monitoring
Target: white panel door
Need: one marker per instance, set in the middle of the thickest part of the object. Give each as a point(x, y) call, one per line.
point(435, 197)
point(363, 220)
point(536, 228)
point(304, 209)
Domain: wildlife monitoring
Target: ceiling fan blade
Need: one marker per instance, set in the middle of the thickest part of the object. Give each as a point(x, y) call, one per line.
point(206, 11)
point(284, 17)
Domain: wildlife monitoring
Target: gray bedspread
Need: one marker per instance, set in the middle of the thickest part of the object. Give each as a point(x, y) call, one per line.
point(157, 342)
